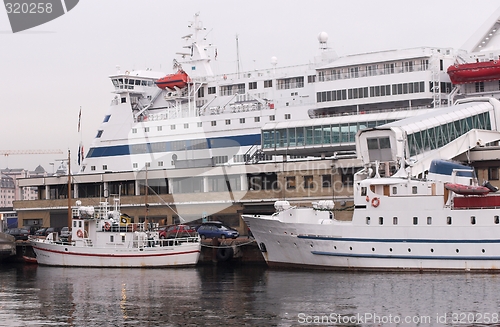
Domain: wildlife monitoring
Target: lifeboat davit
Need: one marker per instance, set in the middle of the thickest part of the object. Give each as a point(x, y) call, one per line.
point(179, 79)
point(467, 189)
point(474, 72)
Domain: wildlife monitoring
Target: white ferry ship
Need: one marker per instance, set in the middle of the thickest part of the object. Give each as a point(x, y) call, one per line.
point(445, 221)
point(194, 117)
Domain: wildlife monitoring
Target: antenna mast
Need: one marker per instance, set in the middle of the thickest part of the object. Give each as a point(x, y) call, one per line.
point(237, 56)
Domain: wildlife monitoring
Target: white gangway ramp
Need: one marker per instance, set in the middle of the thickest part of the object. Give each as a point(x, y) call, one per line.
point(439, 134)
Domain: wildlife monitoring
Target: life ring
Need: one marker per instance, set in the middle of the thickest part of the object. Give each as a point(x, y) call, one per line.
point(224, 254)
point(107, 227)
point(127, 72)
point(79, 233)
point(367, 198)
point(375, 202)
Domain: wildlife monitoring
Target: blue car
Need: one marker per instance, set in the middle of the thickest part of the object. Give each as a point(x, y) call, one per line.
point(213, 230)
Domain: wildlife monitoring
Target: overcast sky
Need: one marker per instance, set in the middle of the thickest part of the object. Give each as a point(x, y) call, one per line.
point(47, 73)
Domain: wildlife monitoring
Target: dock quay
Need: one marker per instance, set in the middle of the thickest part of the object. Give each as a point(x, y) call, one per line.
point(242, 250)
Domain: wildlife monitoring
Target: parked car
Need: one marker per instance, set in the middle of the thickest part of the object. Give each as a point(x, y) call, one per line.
point(177, 231)
point(41, 231)
point(19, 233)
point(65, 233)
point(52, 230)
point(216, 229)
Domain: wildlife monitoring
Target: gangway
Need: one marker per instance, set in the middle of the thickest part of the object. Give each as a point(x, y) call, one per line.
point(440, 134)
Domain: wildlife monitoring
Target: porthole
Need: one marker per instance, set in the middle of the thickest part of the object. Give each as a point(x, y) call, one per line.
point(350, 248)
point(335, 247)
point(457, 250)
point(483, 250)
point(409, 250)
point(311, 245)
point(432, 250)
point(373, 249)
point(295, 244)
point(390, 249)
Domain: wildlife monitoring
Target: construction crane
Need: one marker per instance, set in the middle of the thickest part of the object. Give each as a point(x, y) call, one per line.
point(8, 153)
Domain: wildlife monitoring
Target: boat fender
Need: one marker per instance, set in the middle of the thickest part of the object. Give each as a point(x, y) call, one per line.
point(224, 254)
point(367, 198)
point(107, 226)
point(79, 233)
point(375, 202)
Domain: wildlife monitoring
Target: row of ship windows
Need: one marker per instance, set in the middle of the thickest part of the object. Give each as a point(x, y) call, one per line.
point(198, 124)
point(449, 220)
point(409, 249)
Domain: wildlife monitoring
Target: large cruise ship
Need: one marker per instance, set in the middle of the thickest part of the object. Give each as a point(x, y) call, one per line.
point(213, 144)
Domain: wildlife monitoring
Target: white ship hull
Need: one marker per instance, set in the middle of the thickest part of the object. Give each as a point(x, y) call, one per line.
point(348, 247)
point(184, 254)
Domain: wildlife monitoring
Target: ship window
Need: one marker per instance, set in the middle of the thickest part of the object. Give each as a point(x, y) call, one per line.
point(271, 118)
point(135, 165)
point(104, 167)
point(394, 190)
point(415, 220)
point(429, 220)
point(131, 81)
point(172, 127)
point(106, 118)
point(290, 182)
point(496, 219)
point(144, 83)
point(111, 238)
point(268, 83)
point(448, 220)
point(473, 220)
point(363, 191)
point(146, 129)
point(394, 220)
point(137, 82)
point(214, 123)
point(148, 164)
point(256, 119)
point(252, 85)
point(186, 126)
point(414, 190)
point(199, 124)
point(288, 116)
point(228, 121)
point(368, 220)
point(134, 130)
point(211, 90)
point(160, 163)
point(159, 128)
point(124, 100)
point(92, 168)
point(99, 133)
point(380, 220)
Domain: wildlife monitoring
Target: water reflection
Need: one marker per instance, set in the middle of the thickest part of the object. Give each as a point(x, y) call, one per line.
point(243, 296)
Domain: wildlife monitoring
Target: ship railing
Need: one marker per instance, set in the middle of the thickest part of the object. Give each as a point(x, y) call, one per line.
point(374, 111)
point(176, 241)
point(328, 77)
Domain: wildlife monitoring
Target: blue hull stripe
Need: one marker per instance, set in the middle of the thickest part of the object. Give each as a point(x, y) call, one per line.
point(407, 257)
point(180, 145)
point(391, 240)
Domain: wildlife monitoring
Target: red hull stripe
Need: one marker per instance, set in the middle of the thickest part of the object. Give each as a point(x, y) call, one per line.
point(141, 254)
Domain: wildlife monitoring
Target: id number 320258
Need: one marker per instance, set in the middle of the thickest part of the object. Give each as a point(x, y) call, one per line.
point(28, 8)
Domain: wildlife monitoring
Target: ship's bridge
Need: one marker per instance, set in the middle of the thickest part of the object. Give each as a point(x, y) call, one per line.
point(439, 134)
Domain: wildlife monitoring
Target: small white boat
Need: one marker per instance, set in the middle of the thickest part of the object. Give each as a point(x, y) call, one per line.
point(100, 238)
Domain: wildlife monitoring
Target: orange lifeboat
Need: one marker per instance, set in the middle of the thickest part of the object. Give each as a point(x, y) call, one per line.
point(179, 79)
point(474, 72)
point(467, 189)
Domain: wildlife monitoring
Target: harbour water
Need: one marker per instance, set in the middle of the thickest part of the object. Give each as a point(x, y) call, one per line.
point(243, 296)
